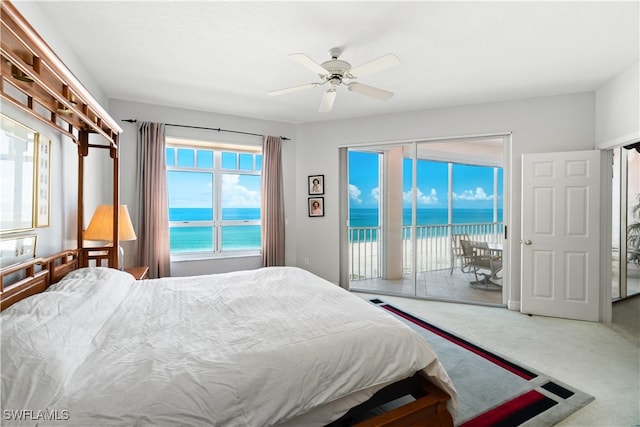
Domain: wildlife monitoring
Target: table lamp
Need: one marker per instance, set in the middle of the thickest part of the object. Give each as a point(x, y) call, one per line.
point(101, 228)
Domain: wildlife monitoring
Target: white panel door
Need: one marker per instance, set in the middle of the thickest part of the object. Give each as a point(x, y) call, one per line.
point(561, 234)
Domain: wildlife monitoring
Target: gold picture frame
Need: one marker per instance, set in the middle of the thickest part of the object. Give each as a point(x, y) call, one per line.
point(17, 176)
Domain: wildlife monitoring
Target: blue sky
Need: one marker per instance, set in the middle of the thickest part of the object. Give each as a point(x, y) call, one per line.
point(472, 185)
point(195, 190)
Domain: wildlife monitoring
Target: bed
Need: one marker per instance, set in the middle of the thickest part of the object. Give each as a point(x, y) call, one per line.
point(273, 346)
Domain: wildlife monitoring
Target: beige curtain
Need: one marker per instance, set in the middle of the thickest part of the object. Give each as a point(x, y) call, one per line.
point(272, 203)
point(153, 202)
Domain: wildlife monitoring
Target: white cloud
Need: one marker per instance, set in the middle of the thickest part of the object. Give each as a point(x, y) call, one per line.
point(478, 194)
point(423, 199)
point(375, 194)
point(235, 195)
point(354, 194)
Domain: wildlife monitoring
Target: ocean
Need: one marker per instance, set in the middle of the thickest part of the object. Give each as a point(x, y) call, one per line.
point(200, 239)
point(247, 237)
point(368, 217)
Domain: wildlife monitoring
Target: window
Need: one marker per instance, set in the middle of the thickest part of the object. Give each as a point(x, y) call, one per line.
point(214, 199)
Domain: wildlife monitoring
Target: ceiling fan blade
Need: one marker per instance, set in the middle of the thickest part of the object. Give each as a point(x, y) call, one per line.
point(327, 100)
point(371, 91)
point(382, 63)
point(294, 89)
point(305, 61)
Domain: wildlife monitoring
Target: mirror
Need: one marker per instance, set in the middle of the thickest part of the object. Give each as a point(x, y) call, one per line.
point(17, 160)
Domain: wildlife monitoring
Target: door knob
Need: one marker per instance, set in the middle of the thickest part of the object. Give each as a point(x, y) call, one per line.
point(527, 242)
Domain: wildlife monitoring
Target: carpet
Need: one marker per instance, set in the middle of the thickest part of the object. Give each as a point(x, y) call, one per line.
point(493, 390)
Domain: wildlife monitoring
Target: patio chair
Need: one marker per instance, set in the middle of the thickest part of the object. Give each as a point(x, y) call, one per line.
point(456, 251)
point(477, 257)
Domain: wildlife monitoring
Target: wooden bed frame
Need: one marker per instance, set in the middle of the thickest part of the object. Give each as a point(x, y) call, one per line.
point(428, 409)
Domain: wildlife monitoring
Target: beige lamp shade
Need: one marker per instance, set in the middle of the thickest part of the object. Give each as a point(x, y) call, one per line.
point(101, 225)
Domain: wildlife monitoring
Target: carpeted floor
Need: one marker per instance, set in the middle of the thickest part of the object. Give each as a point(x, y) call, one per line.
point(493, 390)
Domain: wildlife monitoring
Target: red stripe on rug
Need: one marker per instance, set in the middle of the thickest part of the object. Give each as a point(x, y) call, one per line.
point(497, 415)
point(490, 357)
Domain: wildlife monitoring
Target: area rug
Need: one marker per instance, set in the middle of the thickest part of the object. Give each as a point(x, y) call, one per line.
point(493, 390)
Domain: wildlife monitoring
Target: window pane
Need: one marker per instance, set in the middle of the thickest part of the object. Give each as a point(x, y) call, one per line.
point(171, 156)
point(258, 162)
point(185, 157)
point(472, 194)
point(191, 239)
point(363, 189)
point(205, 159)
point(432, 179)
point(241, 237)
point(190, 196)
point(240, 197)
point(229, 160)
point(246, 162)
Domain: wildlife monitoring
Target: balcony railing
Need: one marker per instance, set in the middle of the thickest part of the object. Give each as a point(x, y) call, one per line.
point(432, 246)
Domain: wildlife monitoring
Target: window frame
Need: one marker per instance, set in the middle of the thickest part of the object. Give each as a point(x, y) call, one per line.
point(216, 223)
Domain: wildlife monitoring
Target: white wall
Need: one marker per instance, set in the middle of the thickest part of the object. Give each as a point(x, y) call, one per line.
point(618, 109)
point(120, 110)
point(550, 124)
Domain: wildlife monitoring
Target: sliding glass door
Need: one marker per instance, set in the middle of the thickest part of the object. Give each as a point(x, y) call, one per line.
point(404, 203)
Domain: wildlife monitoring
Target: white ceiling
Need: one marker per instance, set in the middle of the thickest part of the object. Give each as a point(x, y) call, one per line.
point(224, 56)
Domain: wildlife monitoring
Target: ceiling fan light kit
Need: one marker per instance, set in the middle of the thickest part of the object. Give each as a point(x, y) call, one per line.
point(336, 72)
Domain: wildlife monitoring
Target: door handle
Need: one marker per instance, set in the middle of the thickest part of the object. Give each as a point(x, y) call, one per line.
point(527, 242)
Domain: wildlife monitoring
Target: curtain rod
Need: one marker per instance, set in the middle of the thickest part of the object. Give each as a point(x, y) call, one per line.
point(284, 138)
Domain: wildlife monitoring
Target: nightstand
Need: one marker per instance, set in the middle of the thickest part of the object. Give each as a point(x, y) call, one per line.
point(139, 273)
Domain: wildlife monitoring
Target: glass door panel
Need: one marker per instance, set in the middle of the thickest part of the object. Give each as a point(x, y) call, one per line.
point(633, 224)
point(617, 251)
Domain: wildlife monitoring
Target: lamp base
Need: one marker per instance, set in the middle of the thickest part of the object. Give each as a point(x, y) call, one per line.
point(120, 258)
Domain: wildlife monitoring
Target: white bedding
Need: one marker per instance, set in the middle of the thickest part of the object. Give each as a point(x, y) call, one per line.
point(250, 348)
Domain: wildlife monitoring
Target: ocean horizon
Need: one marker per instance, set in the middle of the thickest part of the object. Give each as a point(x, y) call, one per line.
point(248, 237)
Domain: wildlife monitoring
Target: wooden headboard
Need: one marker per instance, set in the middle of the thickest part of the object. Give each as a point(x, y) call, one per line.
point(28, 278)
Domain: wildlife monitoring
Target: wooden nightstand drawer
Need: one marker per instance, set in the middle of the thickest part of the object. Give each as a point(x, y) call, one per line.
point(139, 273)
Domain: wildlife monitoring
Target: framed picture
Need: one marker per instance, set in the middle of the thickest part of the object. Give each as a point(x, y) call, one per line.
point(43, 185)
point(17, 249)
point(316, 184)
point(316, 206)
point(17, 173)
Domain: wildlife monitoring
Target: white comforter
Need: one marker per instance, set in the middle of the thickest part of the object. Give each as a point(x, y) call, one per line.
point(250, 348)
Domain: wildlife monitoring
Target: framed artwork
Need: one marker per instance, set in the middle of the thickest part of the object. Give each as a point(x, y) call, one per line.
point(43, 185)
point(316, 184)
point(17, 174)
point(316, 206)
point(17, 249)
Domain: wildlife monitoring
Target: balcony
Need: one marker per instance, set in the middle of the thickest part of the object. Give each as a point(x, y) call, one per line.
point(436, 276)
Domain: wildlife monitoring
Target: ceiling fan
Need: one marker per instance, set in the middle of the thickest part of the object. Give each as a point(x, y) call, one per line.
point(336, 72)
